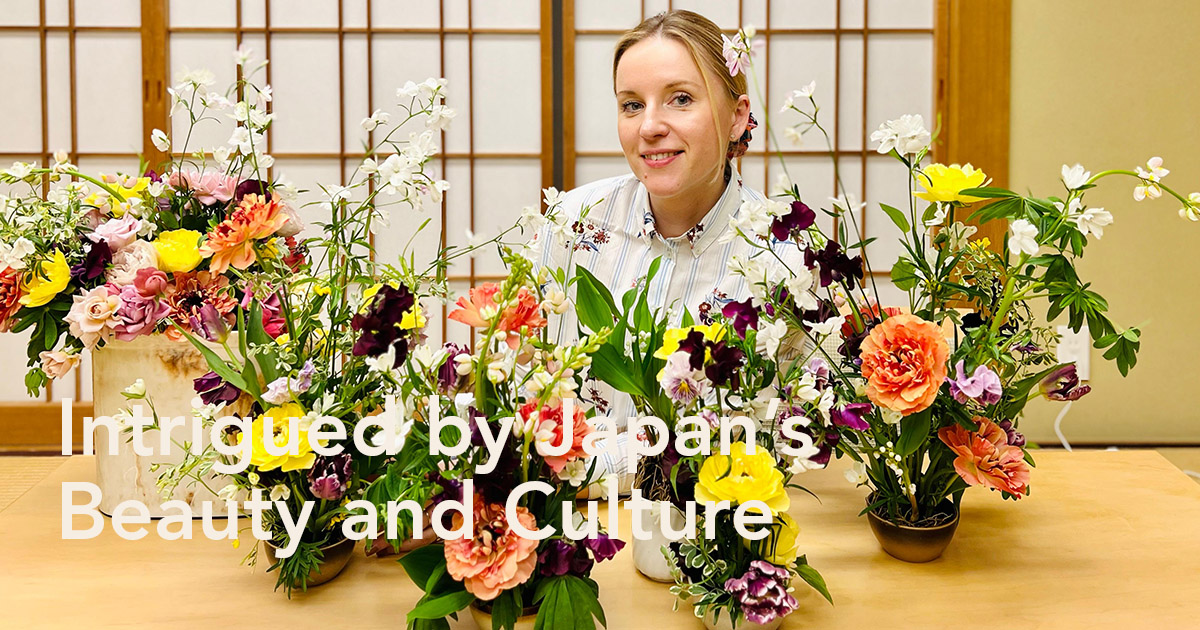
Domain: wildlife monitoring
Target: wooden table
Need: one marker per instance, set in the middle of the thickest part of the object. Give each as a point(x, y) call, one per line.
point(1107, 540)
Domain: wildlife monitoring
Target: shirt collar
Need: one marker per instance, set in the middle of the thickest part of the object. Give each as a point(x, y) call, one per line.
point(709, 229)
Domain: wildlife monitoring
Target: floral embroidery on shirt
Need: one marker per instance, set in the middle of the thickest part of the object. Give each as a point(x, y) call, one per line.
point(588, 236)
point(715, 301)
point(594, 397)
point(650, 231)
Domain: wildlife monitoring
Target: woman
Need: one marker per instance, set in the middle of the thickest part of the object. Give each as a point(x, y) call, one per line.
point(682, 120)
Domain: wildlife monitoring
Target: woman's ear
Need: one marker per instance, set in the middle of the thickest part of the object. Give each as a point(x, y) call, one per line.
point(741, 117)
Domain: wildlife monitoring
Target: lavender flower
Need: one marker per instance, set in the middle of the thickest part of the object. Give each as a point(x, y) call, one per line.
point(210, 324)
point(281, 389)
point(1015, 437)
point(762, 592)
point(1063, 384)
point(329, 477)
point(682, 383)
point(982, 386)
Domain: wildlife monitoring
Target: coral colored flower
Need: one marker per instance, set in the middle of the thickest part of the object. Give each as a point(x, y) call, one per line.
point(549, 432)
point(740, 477)
point(985, 458)
point(301, 459)
point(94, 315)
point(904, 362)
point(232, 242)
point(945, 183)
point(178, 250)
point(525, 312)
point(39, 286)
point(10, 297)
point(493, 558)
point(480, 308)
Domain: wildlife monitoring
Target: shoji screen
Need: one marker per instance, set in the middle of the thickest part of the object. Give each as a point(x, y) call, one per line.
point(873, 60)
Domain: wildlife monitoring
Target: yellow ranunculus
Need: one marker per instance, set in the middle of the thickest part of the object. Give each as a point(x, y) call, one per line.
point(671, 338)
point(39, 289)
point(944, 183)
point(178, 250)
point(302, 459)
point(783, 547)
point(740, 477)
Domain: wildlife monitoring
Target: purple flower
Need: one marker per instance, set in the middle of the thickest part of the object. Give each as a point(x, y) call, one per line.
point(556, 558)
point(139, 315)
point(982, 386)
point(786, 226)
point(726, 362)
point(851, 416)
point(98, 257)
point(449, 379)
point(210, 324)
point(251, 187)
point(603, 546)
point(682, 383)
point(1028, 348)
point(1015, 437)
point(280, 390)
point(743, 314)
point(213, 389)
point(380, 325)
point(329, 477)
point(835, 265)
point(762, 592)
point(820, 371)
point(1063, 384)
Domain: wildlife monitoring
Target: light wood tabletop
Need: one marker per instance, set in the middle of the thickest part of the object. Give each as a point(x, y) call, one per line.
point(1106, 540)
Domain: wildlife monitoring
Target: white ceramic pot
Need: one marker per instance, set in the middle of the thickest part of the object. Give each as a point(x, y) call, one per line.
point(168, 368)
point(648, 557)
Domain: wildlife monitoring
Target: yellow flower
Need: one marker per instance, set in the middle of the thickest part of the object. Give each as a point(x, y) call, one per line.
point(944, 183)
point(139, 185)
point(740, 477)
point(178, 250)
point(413, 318)
point(39, 289)
point(786, 547)
point(671, 338)
point(280, 434)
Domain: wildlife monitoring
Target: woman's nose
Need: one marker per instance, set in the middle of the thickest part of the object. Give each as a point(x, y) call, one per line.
point(654, 124)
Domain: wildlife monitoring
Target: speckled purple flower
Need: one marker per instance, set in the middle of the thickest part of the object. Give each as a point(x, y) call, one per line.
point(329, 477)
point(762, 592)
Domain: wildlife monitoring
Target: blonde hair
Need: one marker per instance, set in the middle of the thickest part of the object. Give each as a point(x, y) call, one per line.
point(702, 38)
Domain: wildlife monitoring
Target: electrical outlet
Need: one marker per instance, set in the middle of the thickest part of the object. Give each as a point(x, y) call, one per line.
point(1075, 347)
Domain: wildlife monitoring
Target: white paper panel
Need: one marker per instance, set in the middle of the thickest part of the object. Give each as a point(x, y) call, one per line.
point(354, 91)
point(400, 58)
point(508, 94)
point(754, 12)
point(116, 125)
point(502, 189)
point(12, 350)
point(458, 73)
point(254, 13)
point(755, 86)
point(803, 13)
point(109, 13)
point(20, 109)
point(455, 13)
point(213, 13)
point(64, 388)
point(19, 13)
point(613, 14)
point(354, 12)
point(900, 78)
point(594, 168)
point(306, 175)
point(58, 91)
point(850, 111)
point(304, 13)
point(886, 183)
point(654, 7)
point(900, 14)
point(305, 79)
point(722, 12)
point(458, 208)
point(85, 376)
point(509, 14)
point(57, 13)
point(852, 13)
point(214, 52)
point(109, 166)
point(595, 106)
point(796, 60)
point(404, 14)
point(754, 173)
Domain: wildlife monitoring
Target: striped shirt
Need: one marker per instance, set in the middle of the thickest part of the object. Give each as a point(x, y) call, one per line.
point(617, 241)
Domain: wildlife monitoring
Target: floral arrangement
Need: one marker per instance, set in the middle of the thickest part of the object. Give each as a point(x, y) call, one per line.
point(113, 257)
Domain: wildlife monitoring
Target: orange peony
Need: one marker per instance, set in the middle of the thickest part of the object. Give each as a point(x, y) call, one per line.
point(232, 241)
point(494, 558)
point(904, 362)
point(482, 307)
point(10, 297)
point(985, 458)
point(548, 432)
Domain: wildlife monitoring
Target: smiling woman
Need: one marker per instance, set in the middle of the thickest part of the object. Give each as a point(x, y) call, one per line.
point(683, 116)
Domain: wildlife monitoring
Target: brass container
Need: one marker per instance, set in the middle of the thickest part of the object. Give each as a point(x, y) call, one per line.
point(334, 559)
point(913, 544)
point(481, 613)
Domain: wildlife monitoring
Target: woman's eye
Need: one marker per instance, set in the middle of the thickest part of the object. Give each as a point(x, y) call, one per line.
point(682, 99)
point(630, 106)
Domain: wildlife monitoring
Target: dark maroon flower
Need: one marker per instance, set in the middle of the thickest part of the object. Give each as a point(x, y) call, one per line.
point(556, 558)
point(449, 379)
point(726, 362)
point(1015, 437)
point(743, 314)
point(98, 257)
point(695, 345)
point(329, 477)
point(800, 218)
point(251, 187)
point(213, 389)
point(153, 175)
point(603, 546)
point(851, 416)
point(380, 325)
point(1063, 384)
point(835, 266)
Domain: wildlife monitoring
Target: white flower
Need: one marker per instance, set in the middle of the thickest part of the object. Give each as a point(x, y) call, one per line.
point(155, 189)
point(857, 474)
point(1093, 221)
point(1156, 168)
point(439, 117)
point(13, 256)
point(939, 215)
point(827, 327)
point(782, 186)
point(280, 492)
point(473, 239)
point(1072, 210)
point(221, 157)
point(891, 417)
point(574, 473)
point(552, 196)
point(368, 166)
point(1146, 190)
point(1149, 188)
point(160, 140)
point(755, 217)
point(803, 93)
point(135, 390)
point(197, 78)
point(216, 101)
point(1023, 237)
point(427, 358)
point(803, 462)
point(1192, 209)
point(800, 285)
point(244, 141)
point(409, 91)
point(264, 96)
point(20, 170)
point(338, 193)
point(845, 203)
point(378, 117)
point(769, 336)
point(1075, 177)
point(396, 426)
point(253, 478)
point(556, 302)
point(826, 403)
point(532, 219)
point(382, 363)
point(960, 234)
point(242, 55)
point(286, 190)
point(794, 135)
point(437, 191)
point(907, 135)
point(231, 494)
point(806, 388)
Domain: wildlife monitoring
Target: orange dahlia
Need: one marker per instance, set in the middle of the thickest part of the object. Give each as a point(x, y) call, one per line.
point(10, 296)
point(232, 241)
point(493, 558)
point(904, 362)
point(985, 458)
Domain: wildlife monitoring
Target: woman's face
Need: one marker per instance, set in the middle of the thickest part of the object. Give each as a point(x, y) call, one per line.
point(665, 120)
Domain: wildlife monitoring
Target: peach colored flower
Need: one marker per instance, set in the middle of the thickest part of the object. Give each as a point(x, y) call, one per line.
point(232, 241)
point(482, 302)
point(985, 458)
point(549, 432)
point(493, 558)
point(57, 364)
point(93, 316)
point(482, 307)
point(904, 362)
point(10, 297)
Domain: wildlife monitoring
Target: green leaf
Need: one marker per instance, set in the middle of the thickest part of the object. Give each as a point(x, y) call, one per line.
point(217, 364)
point(914, 430)
point(420, 563)
point(896, 216)
point(904, 276)
point(257, 335)
point(610, 366)
point(440, 606)
point(988, 192)
point(505, 610)
point(593, 303)
point(814, 579)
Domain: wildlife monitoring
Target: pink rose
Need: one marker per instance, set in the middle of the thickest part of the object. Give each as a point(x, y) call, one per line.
point(209, 188)
point(293, 226)
point(151, 282)
point(93, 316)
point(57, 364)
point(138, 315)
point(117, 232)
point(130, 259)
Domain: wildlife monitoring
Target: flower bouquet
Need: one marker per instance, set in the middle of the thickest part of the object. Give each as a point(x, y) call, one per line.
point(524, 550)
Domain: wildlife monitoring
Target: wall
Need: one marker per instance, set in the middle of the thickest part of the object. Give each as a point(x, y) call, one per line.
point(1108, 84)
